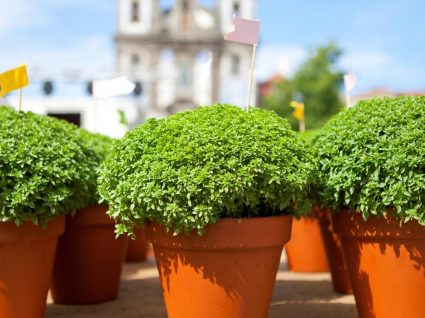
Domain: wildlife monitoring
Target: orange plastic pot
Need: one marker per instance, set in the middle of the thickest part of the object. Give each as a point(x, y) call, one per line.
point(333, 247)
point(386, 263)
point(138, 249)
point(306, 251)
point(228, 273)
point(27, 253)
point(89, 259)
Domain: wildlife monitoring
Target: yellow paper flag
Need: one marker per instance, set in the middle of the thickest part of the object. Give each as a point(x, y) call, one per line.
point(13, 79)
point(299, 110)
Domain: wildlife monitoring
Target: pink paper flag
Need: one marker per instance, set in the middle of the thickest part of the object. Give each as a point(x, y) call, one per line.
point(245, 31)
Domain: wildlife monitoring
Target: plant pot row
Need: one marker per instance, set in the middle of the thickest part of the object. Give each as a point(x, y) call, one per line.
point(219, 184)
point(315, 247)
point(377, 260)
point(79, 255)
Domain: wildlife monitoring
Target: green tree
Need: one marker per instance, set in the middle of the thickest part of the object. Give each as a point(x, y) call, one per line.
point(317, 82)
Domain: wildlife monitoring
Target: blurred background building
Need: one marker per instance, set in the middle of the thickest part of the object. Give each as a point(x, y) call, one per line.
point(175, 53)
point(177, 57)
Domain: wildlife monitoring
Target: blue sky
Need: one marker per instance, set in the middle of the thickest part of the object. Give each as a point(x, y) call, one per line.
point(383, 41)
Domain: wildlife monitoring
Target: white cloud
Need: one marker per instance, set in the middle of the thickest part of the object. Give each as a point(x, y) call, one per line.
point(81, 4)
point(366, 60)
point(374, 68)
point(82, 58)
point(21, 14)
point(279, 59)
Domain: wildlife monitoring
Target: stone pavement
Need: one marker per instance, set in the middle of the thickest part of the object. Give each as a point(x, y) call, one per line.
point(295, 296)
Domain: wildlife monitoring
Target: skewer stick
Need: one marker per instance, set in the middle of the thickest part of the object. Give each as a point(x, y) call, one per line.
point(248, 102)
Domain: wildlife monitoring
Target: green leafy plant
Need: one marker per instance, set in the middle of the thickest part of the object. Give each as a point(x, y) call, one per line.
point(45, 168)
point(372, 159)
point(196, 167)
point(309, 135)
point(101, 146)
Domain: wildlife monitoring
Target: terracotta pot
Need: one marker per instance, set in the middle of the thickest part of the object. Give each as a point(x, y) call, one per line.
point(306, 251)
point(138, 249)
point(89, 259)
point(27, 253)
point(386, 263)
point(228, 273)
point(333, 247)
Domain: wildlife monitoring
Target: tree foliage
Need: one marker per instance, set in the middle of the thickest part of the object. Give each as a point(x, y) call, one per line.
point(318, 82)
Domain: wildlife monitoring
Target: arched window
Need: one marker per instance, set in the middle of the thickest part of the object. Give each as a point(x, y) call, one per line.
point(135, 11)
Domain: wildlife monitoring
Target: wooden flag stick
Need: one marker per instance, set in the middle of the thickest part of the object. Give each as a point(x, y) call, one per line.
point(248, 102)
point(20, 99)
point(302, 125)
point(347, 99)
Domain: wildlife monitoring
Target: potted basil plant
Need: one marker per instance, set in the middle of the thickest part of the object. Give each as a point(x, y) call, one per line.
point(306, 251)
point(371, 168)
point(44, 174)
point(89, 259)
point(215, 189)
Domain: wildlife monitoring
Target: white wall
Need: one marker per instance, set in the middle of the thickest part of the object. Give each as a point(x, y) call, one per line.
point(101, 116)
point(234, 89)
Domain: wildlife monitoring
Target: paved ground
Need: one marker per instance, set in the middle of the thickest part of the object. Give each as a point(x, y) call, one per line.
point(295, 296)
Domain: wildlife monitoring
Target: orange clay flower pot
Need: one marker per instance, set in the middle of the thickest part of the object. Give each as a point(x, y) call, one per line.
point(27, 253)
point(89, 259)
point(386, 263)
point(306, 251)
point(229, 272)
point(138, 249)
point(339, 272)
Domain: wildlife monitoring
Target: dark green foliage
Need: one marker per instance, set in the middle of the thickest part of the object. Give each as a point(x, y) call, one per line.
point(309, 135)
point(196, 167)
point(101, 146)
point(45, 169)
point(372, 158)
point(318, 82)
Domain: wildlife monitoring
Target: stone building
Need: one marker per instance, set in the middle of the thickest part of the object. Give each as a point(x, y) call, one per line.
point(179, 56)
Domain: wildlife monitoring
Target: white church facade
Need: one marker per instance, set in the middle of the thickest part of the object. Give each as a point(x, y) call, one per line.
point(179, 55)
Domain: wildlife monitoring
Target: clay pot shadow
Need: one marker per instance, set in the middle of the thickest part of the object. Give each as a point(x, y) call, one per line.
point(381, 257)
point(136, 298)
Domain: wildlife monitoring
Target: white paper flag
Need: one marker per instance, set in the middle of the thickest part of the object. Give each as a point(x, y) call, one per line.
point(350, 80)
point(112, 87)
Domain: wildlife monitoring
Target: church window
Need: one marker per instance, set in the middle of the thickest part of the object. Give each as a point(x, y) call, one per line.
point(186, 14)
point(236, 8)
point(235, 65)
point(134, 59)
point(135, 11)
point(184, 80)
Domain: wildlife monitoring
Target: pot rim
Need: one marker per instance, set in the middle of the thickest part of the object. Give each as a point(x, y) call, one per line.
point(227, 233)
